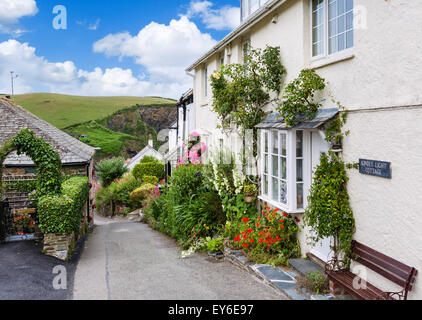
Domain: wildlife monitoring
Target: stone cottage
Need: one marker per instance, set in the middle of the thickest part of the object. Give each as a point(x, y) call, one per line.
point(19, 170)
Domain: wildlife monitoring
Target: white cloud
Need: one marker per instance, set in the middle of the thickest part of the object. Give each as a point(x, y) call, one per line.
point(165, 50)
point(224, 18)
point(38, 74)
point(11, 11)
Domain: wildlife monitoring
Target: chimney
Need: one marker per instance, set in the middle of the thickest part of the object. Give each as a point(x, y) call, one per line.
point(150, 141)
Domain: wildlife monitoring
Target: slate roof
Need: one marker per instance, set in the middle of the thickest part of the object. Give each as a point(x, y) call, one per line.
point(276, 121)
point(13, 118)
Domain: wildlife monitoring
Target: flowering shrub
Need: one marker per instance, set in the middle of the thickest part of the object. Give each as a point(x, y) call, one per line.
point(272, 232)
point(195, 150)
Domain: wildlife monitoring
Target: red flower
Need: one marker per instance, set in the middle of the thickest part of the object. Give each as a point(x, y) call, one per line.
point(237, 238)
point(245, 220)
point(297, 220)
point(285, 214)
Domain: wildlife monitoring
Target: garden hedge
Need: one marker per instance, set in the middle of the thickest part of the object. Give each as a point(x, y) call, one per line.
point(155, 169)
point(62, 214)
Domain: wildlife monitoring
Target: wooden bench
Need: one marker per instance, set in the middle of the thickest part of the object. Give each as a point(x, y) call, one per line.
point(389, 268)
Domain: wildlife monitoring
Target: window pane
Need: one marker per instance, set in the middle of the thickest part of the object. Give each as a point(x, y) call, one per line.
point(275, 189)
point(266, 142)
point(275, 166)
point(349, 39)
point(266, 163)
point(349, 5)
point(333, 27)
point(299, 170)
point(245, 8)
point(340, 43)
point(265, 185)
point(333, 45)
point(283, 168)
point(332, 9)
point(317, 4)
point(283, 144)
point(340, 6)
point(254, 5)
point(341, 24)
point(283, 192)
point(349, 20)
point(299, 144)
point(300, 196)
point(275, 142)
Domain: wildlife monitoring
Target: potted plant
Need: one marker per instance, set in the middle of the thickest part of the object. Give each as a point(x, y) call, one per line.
point(250, 193)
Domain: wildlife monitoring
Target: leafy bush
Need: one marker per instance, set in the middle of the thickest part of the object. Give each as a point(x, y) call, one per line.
point(190, 210)
point(140, 194)
point(155, 169)
point(121, 189)
point(150, 180)
point(148, 159)
point(215, 245)
point(62, 214)
point(110, 170)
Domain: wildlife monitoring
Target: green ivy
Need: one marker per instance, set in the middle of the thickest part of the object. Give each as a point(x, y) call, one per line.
point(62, 214)
point(21, 186)
point(328, 212)
point(298, 97)
point(47, 160)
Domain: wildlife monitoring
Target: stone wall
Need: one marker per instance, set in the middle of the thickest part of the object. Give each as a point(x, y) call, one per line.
point(59, 246)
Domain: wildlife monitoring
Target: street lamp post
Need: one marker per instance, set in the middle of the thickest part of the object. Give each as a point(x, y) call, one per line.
point(12, 77)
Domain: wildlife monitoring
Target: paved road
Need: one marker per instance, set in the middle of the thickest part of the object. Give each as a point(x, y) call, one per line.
point(27, 274)
point(127, 260)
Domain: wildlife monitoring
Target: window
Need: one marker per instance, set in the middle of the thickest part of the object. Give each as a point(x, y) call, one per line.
point(332, 26)
point(248, 7)
point(284, 157)
point(221, 59)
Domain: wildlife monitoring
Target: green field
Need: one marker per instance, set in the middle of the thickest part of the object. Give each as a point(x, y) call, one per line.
point(63, 110)
point(110, 142)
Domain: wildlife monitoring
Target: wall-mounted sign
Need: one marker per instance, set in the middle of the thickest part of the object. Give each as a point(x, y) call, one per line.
point(375, 168)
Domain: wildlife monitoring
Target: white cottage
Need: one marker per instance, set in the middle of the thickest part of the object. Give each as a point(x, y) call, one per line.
point(369, 52)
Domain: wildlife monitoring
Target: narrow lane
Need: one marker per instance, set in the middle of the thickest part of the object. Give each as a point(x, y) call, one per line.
point(128, 260)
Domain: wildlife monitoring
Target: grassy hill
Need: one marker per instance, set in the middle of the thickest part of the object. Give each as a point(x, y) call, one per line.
point(63, 111)
point(113, 124)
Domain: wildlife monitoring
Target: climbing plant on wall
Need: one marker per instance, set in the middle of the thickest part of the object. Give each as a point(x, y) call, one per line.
point(298, 97)
point(242, 90)
point(46, 159)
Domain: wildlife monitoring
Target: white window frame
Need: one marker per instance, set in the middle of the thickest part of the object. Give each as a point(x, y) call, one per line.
point(326, 36)
point(291, 156)
point(249, 9)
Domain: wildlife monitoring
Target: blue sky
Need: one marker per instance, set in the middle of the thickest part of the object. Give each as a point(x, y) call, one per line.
point(110, 47)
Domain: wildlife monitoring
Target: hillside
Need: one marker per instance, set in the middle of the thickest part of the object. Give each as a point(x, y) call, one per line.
point(126, 131)
point(64, 110)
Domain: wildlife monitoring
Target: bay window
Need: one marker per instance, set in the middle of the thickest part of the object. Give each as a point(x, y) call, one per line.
point(332, 26)
point(284, 159)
